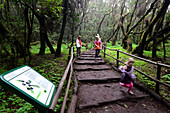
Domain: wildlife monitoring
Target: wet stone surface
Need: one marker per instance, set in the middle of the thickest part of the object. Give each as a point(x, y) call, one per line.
point(89, 58)
point(86, 55)
point(98, 75)
point(145, 105)
point(91, 67)
point(96, 94)
point(82, 62)
point(92, 52)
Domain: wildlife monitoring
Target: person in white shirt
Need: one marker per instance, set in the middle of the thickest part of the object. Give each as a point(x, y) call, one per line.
point(78, 45)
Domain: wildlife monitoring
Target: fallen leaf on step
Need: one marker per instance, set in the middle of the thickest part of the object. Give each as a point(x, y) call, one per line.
point(144, 105)
point(125, 105)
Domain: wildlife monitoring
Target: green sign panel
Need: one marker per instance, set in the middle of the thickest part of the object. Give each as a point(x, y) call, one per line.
point(30, 85)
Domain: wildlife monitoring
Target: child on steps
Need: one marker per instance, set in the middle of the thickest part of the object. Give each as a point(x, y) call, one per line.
point(97, 46)
point(127, 75)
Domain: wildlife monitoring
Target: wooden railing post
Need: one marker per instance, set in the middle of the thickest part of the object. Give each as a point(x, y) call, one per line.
point(117, 61)
point(69, 55)
point(73, 52)
point(104, 50)
point(158, 78)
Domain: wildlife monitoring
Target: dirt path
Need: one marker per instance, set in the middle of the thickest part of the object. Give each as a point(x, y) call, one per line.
point(99, 90)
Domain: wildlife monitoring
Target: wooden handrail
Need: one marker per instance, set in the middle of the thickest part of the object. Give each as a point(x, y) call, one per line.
point(109, 48)
point(151, 78)
point(67, 89)
point(56, 96)
point(140, 58)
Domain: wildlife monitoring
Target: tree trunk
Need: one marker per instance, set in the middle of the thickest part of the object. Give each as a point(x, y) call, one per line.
point(157, 27)
point(30, 25)
point(98, 31)
point(58, 51)
point(132, 16)
point(154, 47)
point(124, 42)
point(43, 32)
point(114, 40)
point(113, 34)
point(139, 49)
point(72, 36)
point(147, 12)
point(80, 30)
point(164, 48)
point(42, 35)
point(49, 44)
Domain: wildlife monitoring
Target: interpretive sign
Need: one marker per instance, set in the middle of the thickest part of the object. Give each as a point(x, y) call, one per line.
point(29, 83)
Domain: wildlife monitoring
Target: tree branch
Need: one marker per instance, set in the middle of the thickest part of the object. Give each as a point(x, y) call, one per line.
point(84, 13)
point(98, 31)
point(132, 16)
point(148, 11)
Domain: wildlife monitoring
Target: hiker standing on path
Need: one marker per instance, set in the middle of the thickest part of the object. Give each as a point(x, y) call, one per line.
point(97, 45)
point(128, 76)
point(78, 45)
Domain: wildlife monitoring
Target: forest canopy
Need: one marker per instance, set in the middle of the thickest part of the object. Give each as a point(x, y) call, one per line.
point(54, 22)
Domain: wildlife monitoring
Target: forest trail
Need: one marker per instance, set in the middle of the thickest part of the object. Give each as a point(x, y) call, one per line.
point(99, 90)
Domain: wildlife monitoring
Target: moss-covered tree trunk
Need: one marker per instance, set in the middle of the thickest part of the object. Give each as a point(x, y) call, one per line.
point(114, 39)
point(157, 28)
point(139, 49)
point(43, 36)
point(43, 32)
point(125, 33)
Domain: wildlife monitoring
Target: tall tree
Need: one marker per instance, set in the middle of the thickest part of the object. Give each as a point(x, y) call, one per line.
point(65, 8)
point(139, 49)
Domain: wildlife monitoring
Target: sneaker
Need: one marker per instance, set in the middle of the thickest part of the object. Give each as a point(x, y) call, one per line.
point(130, 92)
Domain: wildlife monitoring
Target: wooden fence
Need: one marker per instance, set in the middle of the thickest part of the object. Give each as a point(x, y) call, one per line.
point(159, 65)
point(69, 71)
point(67, 74)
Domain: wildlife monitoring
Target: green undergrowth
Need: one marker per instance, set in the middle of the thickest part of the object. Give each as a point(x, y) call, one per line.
point(47, 65)
point(145, 67)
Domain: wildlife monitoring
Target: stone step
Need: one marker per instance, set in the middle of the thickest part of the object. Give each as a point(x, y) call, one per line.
point(90, 95)
point(91, 67)
point(85, 55)
point(98, 75)
point(89, 58)
point(89, 53)
point(144, 105)
point(89, 62)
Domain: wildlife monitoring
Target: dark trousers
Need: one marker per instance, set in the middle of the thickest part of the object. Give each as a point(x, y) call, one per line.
point(97, 53)
point(78, 51)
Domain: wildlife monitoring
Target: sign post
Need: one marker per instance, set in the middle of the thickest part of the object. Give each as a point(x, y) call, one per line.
point(29, 85)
